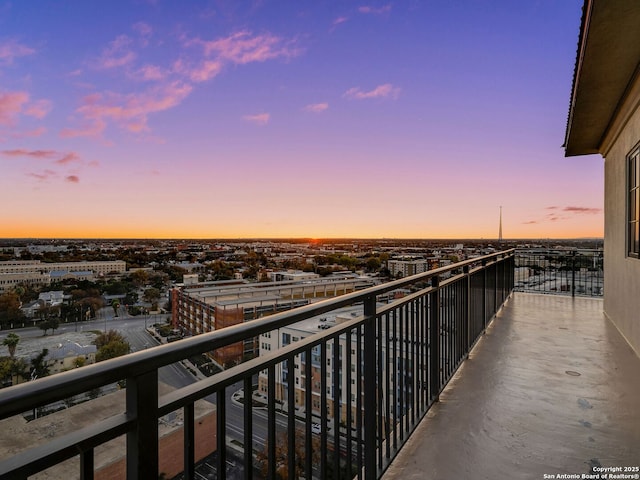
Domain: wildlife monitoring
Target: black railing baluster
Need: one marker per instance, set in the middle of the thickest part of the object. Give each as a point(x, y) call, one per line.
point(370, 377)
point(359, 394)
point(189, 441)
point(349, 403)
point(221, 434)
point(434, 340)
point(323, 410)
point(291, 420)
point(308, 405)
point(335, 371)
point(86, 465)
point(248, 429)
point(142, 442)
point(271, 416)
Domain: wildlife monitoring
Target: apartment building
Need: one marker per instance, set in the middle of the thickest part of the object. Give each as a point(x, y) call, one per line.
point(37, 273)
point(406, 268)
point(214, 305)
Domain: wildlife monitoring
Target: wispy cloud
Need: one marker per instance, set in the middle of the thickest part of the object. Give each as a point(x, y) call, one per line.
point(11, 105)
point(44, 176)
point(11, 49)
point(71, 157)
point(202, 72)
point(56, 159)
point(117, 54)
point(586, 210)
point(38, 109)
point(201, 60)
point(557, 213)
point(258, 119)
point(150, 73)
point(129, 112)
point(36, 132)
point(47, 154)
point(386, 90)
point(60, 158)
point(338, 21)
point(375, 10)
point(144, 31)
point(316, 107)
point(243, 47)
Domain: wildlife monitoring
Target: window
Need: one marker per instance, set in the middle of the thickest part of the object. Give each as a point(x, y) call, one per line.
point(633, 203)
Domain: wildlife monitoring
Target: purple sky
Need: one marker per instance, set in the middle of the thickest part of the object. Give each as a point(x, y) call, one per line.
point(278, 119)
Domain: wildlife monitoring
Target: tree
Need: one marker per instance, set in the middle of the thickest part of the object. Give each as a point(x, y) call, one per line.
point(39, 365)
point(139, 278)
point(152, 295)
point(10, 312)
point(110, 344)
point(44, 325)
point(282, 455)
point(115, 303)
point(11, 341)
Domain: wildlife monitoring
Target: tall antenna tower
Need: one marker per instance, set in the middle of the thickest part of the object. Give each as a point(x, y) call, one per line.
point(500, 228)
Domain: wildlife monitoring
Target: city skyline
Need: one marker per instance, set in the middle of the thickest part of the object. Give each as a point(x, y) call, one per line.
point(152, 119)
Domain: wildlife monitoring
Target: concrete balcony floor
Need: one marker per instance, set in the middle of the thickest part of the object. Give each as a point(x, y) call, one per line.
point(552, 388)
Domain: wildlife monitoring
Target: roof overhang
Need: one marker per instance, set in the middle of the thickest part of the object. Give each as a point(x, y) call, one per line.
point(606, 66)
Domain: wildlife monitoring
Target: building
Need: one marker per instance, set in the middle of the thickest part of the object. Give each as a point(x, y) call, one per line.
point(214, 305)
point(406, 268)
point(604, 118)
point(36, 273)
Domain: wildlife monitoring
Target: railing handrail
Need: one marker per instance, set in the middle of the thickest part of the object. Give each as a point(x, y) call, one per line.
point(26, 396)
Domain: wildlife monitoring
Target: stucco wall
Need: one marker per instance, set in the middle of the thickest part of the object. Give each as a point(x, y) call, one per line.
point(621, 273)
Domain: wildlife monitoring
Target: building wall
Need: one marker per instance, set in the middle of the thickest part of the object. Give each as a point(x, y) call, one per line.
point(621, 273)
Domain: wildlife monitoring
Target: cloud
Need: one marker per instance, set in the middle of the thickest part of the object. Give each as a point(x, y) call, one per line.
point(579, 210)
point(243, 47)
point(38, 109)
point(258, 119)
point(68, 158)
point(316, 107)
point(150, 73)
point(46, 175)
point(117, 54)
point(375, 10)
point(386, 90)
point(339, 20)
point(36, 132)
point(129, 112)
point(530, 222)
point(206, 70)
point(11, 50)
point(60, 158)
point(47, 154)
point(143, 29)
point(11, 105)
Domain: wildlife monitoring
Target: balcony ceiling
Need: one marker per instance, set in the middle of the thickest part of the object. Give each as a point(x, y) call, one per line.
point(607, 61)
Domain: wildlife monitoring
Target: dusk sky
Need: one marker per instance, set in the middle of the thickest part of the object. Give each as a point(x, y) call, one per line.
point(225, 119)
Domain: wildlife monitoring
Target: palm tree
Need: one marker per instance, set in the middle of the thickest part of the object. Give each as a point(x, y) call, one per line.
point(11, 341)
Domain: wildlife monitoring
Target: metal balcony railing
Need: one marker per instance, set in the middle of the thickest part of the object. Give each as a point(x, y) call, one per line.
point(575, 272)
point(364, 384)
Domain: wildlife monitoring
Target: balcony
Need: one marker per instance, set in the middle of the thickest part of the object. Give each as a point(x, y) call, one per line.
point(552, 388)
point(362, 390)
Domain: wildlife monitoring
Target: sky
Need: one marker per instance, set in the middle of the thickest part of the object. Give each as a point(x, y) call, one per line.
point(273, 119)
